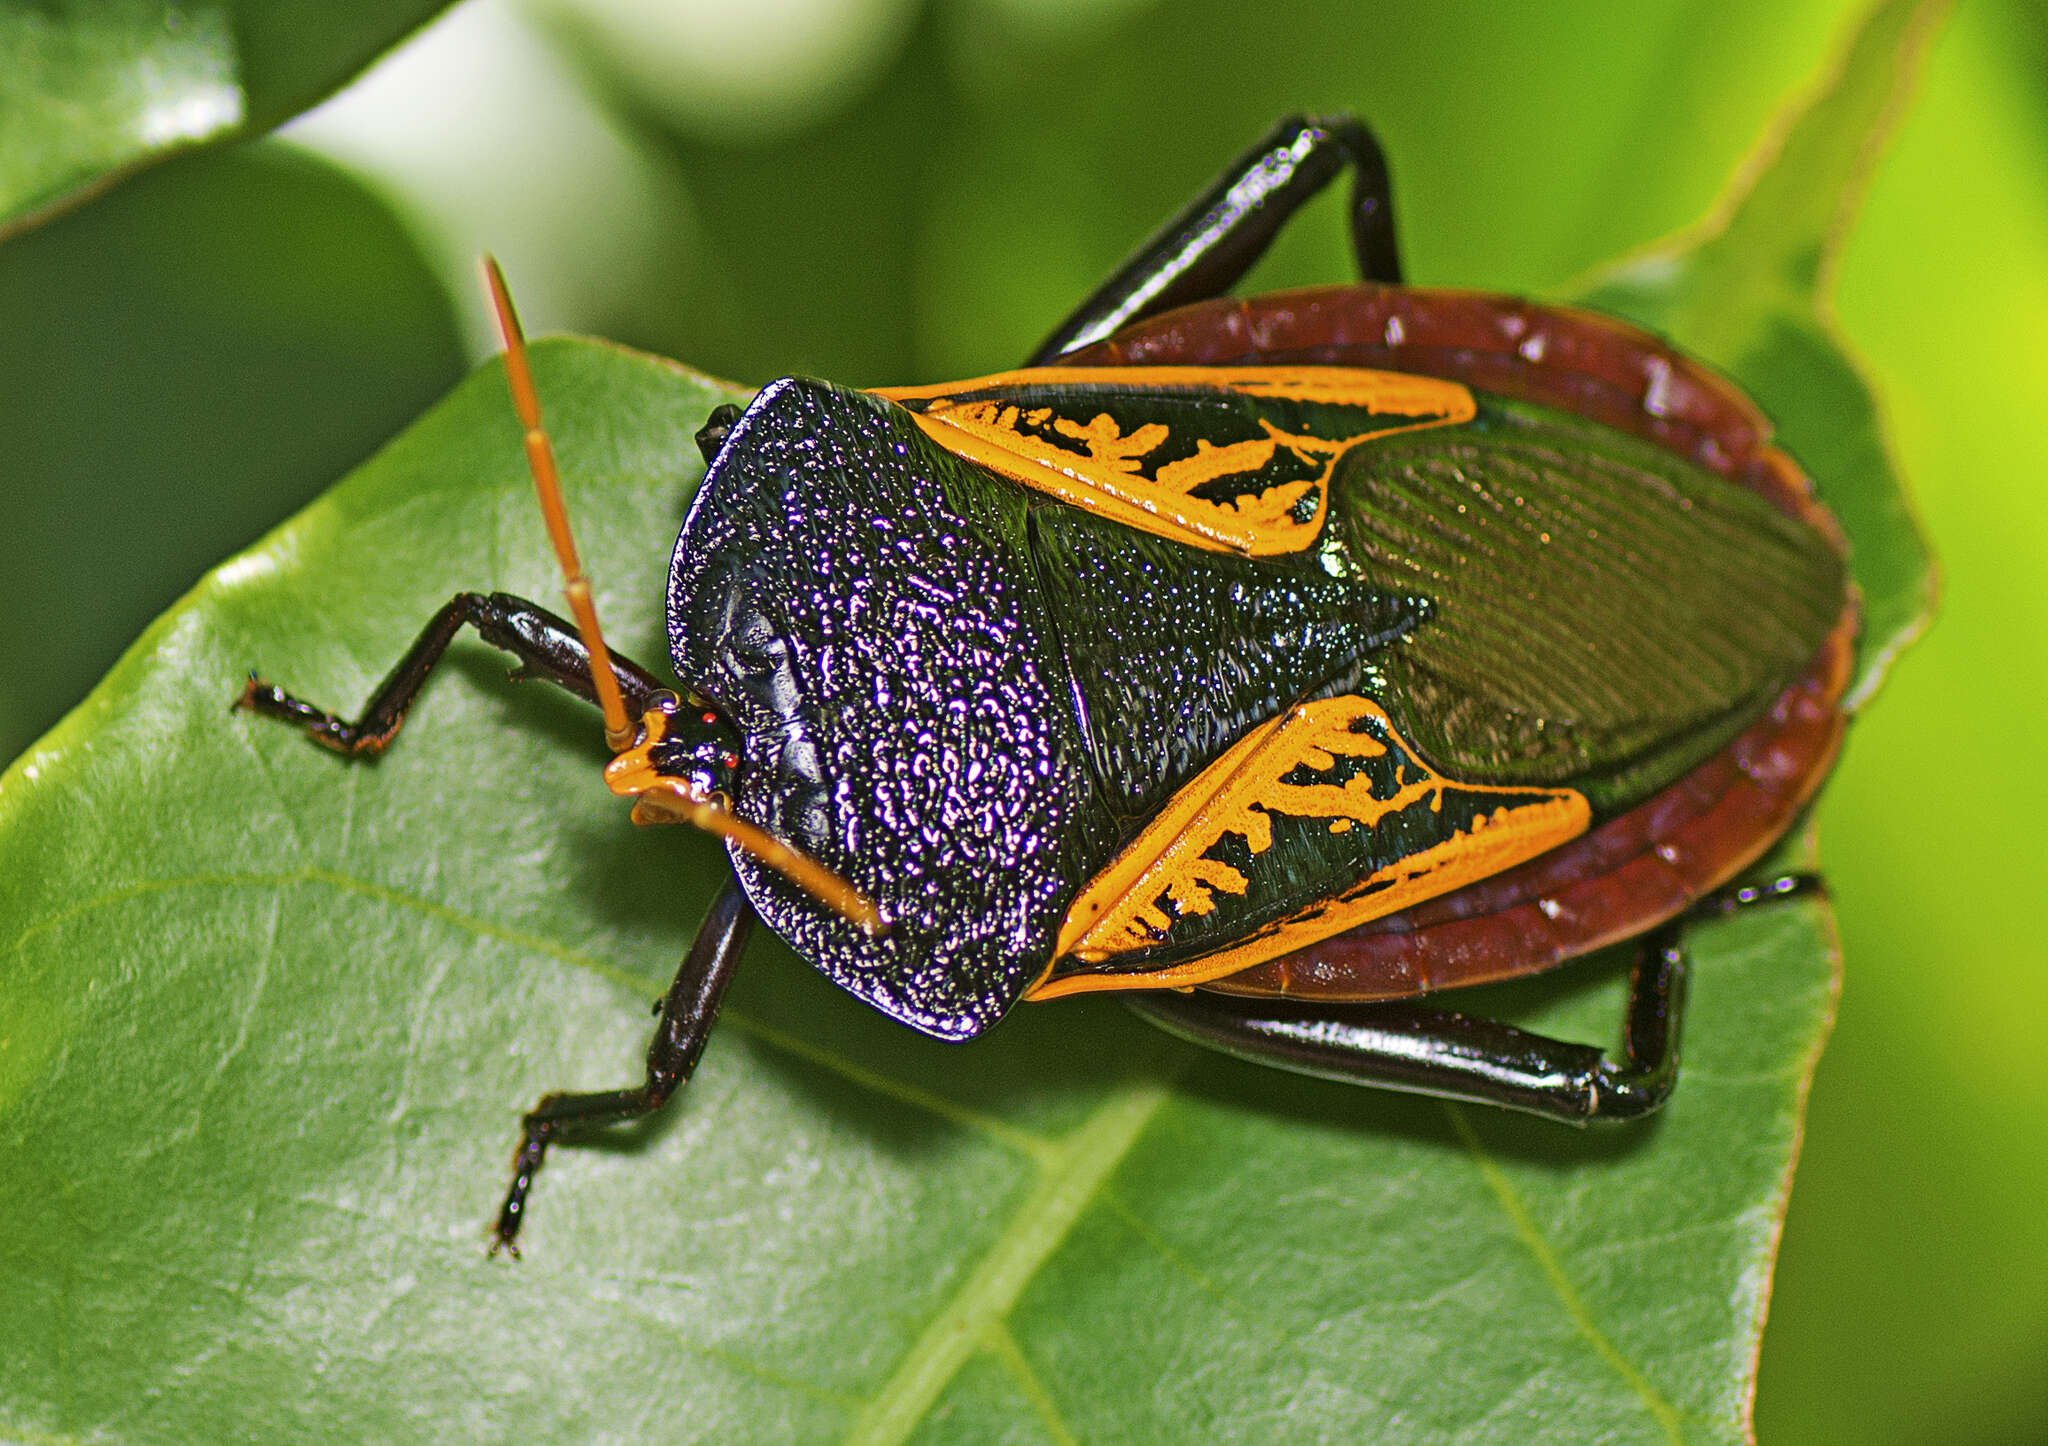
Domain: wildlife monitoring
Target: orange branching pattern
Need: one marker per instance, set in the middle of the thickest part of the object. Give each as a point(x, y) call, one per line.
point(1110, 471)
point(1165, 874)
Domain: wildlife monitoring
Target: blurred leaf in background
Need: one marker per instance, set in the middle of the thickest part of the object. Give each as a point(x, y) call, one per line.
point(484, 136)
point(181, 363)
point(975, 166)
point(93, 89)
point(1749, 290)
point(1913, 1295)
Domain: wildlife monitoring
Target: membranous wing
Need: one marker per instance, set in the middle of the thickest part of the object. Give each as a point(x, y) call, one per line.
point(1607, 615)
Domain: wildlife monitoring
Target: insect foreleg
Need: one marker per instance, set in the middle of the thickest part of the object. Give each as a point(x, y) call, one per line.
point(546, 646)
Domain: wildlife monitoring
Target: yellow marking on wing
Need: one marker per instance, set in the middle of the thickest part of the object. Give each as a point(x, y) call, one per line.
point(1108, 480)
point(1108, 446)
point(1390, 393)
point(1239, 793)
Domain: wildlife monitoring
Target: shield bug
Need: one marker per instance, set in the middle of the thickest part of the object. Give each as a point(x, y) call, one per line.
point(1276, 662)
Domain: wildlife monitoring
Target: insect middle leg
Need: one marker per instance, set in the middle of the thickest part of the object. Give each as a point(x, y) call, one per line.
point(1220, 234)
point(1425, 1050)
point(688, 1011)
point(546, 646)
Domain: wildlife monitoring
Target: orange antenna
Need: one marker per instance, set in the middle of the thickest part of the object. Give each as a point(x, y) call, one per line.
point(661, 799)
point(540, 456)
point(806, 873)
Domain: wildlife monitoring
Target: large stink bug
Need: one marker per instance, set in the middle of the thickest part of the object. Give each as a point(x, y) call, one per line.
point(1275, 661)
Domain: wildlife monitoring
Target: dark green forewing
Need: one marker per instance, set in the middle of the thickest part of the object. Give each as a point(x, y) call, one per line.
point(1607, 614)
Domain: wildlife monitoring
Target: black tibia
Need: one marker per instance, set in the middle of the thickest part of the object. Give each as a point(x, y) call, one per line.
point(685, 1019)
point(1408, 1046)
point(1428, 1051)
point(546, 646)
point(1203, 251)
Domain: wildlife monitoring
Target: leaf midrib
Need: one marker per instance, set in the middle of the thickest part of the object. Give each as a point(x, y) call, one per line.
point(971, 1320)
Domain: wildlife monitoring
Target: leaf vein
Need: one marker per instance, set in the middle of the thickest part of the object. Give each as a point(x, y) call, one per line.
point(1004, 1347)
point(1032, 1146)
point(1165, 1249)
point(1036, 1147)
point(1040, 1225)
point(1661, 1410)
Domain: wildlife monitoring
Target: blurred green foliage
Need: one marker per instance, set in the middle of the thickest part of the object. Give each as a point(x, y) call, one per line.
point(936, 222)
point(1913, 1291)
point(182, 363)
point(93, 88)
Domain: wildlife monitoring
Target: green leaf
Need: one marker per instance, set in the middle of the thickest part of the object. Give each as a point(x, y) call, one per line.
point(1748, 290)
point(93, 89)
point(270, 1018)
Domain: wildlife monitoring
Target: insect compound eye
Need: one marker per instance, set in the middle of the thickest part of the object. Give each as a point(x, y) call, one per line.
point(711, 436)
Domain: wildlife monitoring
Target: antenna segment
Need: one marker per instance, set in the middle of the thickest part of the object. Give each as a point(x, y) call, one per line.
point(660, 799)
point(540, 456)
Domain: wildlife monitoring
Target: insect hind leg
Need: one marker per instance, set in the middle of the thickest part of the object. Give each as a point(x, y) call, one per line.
point(1211, 243)
point(1424, 1050)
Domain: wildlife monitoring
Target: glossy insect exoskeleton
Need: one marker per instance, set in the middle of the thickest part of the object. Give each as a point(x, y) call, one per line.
point(1275, 661)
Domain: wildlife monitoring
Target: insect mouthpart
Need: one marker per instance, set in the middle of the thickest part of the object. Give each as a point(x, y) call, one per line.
point(681, 767)
point(681, 751)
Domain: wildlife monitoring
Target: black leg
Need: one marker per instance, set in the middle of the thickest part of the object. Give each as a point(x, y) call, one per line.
point(1203, 251)
point(546, 645)
point(686, 1016)
point(1407, 1046)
